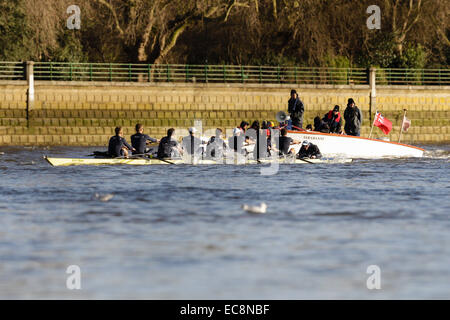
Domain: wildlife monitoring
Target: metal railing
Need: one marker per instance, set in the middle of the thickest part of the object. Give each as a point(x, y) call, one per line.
point(439, 77)
point(129, 72)
point(196, 73)
point(12, 70)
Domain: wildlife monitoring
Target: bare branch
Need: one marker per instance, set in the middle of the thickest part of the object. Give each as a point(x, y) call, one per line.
point(234, 3)
point(114, 13)
point(173, 40)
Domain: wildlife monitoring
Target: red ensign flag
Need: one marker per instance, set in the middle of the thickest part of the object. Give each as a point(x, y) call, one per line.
point(381, 122)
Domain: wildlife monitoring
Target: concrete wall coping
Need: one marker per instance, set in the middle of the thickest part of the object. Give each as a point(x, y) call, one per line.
point(217, 85)
point(398, 87)
point(196, 85)
point(13, 82)
point(233, 85)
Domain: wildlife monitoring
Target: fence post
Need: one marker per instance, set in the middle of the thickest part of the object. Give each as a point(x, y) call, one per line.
point(260, 74)
point(51, 71)
point(110, 72)
point(278, 74)
point(224, 74)
point(90, 72)
point(168, 72)
point(187, 73)
point(129, 72)
point(71, 70)
point(149, 71)
point(373, 92)
point(30, 92)
point(242, 73)
point(206, 73)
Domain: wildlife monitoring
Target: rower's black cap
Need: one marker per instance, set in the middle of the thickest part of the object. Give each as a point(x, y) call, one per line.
point(293, 91)
point(336, 108)
point(350, 101)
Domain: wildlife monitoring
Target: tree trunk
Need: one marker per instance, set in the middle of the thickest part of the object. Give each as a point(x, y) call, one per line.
point(172, 42)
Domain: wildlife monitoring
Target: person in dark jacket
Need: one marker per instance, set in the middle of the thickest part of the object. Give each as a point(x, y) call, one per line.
point(309, 150)
point(353, 119)
point(168, 146)
point(320, 125)
point(139, 139)
point(118, 146)
point(334, 120)
point(296, 108)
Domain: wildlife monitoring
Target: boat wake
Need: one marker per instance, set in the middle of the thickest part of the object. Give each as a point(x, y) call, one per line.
point(437, 154)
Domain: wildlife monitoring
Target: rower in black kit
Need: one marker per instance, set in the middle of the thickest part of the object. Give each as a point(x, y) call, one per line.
point(192, 144)
point(284, 143)
point(118, 146)
point(139, 140)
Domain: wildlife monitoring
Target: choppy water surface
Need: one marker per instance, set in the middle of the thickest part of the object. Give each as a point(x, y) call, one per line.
point(178, 232)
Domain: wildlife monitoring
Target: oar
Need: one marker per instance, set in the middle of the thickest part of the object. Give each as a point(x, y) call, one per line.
point(98, 153)
point(166, 161)
point(307, 161)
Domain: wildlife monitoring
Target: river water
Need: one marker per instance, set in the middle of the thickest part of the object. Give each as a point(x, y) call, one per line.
point(178, 232)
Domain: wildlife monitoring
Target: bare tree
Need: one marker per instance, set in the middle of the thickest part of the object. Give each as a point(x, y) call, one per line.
point(153, 27)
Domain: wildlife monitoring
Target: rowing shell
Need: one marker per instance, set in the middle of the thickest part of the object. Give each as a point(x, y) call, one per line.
point(57, 162)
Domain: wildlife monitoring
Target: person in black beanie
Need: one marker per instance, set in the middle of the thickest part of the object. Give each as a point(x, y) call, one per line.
point(353, 119)
point(296, 108)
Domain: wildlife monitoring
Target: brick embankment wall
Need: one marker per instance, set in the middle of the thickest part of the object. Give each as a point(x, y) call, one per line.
point(74, 113)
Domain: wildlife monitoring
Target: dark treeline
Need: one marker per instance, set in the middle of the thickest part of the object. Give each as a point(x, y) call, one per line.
point(414, 33)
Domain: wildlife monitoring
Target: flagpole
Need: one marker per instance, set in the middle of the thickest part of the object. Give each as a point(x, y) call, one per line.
point(370, 134)
point(401, 127)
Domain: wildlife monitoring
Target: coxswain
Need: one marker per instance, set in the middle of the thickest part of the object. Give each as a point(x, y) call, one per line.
point(309, 150)
point(118, 146)
point(139, 140)
point(168, 146)
point(287, 123)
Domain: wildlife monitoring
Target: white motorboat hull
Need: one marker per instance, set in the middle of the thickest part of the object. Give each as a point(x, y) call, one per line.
point(355, 147)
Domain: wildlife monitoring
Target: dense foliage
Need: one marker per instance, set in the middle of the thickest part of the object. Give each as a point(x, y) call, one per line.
point(414, 33)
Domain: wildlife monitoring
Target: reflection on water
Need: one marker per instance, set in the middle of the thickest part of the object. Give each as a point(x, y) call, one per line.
point(179, 231)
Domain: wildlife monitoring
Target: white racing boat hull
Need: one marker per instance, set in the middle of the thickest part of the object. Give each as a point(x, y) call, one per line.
point(355, 147)
point(57, 162)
